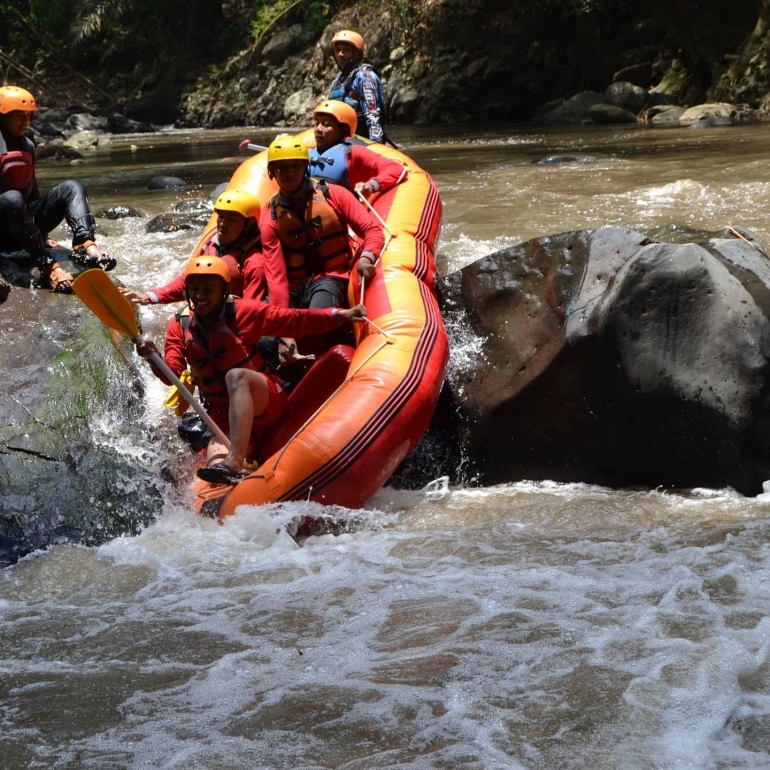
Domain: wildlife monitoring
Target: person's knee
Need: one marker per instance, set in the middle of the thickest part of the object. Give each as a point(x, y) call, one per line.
point(72, 188)
point(236, 379)
point(243, 379)
point(13, 201)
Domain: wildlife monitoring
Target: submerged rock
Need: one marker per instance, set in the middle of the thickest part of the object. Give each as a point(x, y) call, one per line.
point(166, 183)
point(76, 463)
point(555, 160)
point(118, 212)
point(603, 356)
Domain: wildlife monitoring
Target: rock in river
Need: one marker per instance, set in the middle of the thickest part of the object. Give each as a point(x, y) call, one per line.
point(606, 357)
point(76, 462)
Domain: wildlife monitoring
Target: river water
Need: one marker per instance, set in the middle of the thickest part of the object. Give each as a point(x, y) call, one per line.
point(532, 625)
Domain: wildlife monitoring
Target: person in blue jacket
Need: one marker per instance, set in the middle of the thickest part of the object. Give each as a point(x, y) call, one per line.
point(358, 85)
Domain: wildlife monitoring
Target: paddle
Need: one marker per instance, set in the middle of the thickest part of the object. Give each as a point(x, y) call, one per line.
point(247, 144)
point(105, 301)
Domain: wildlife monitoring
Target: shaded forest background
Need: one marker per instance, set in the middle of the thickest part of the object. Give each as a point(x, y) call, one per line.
point(208, 62)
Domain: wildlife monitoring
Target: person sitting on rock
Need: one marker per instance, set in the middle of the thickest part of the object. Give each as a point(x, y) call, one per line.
point(217, 337)
point(305, 232)
point(26, 217)
point(237, 240)
point(339, 157)
point(358, 85)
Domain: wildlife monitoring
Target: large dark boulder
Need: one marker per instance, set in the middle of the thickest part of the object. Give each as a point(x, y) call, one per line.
point(605, 356)
point(77, 460)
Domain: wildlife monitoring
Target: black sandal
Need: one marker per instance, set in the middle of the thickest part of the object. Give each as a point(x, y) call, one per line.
point(104, 261)
point(221, 473)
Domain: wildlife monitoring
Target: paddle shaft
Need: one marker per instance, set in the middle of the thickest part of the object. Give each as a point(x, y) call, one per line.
point(194, 403)
point(104, 300)
point(247, 145)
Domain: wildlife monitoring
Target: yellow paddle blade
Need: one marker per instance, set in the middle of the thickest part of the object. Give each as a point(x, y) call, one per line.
point(105, 301)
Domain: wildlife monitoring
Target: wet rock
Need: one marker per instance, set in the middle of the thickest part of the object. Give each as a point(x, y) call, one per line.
point(83, 140)
point(166, 183)
point(605, 357)
point(120, 124)
point(5, 289)
point(118, 212)
point(287, 43)
point(574, 110)
point(555, 160)
point(172, 222)
point(719, 114)
point(59, 481)
point(608, 113)
point(218, 190)
point(194, 206)
point(667, 115)
point(299, 106)
point(49, 130)
point(627, 96)
point(56, 151)
point(84, 121)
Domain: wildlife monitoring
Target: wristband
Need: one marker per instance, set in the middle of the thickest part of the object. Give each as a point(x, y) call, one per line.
point(335, 312)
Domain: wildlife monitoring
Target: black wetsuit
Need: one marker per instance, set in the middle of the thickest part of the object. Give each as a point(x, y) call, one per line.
point(26, 217)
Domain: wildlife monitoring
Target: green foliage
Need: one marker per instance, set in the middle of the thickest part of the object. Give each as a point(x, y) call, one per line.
point(314, 13)
point(92, 18)
point(29, 29)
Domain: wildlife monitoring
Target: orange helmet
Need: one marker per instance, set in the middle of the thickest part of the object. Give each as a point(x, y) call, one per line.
point(208, 265)
point(348, 36)
point(344, 113)
point(15, 98)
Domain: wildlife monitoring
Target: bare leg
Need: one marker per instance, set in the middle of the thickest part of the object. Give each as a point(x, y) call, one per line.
point(249, 395)
point(215, 452)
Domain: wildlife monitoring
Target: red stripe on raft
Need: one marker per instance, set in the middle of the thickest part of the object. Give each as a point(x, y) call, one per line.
point(374, 427)
point(427, 231)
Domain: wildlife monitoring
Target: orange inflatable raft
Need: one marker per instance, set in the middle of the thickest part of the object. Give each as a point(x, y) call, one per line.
point(358, 413)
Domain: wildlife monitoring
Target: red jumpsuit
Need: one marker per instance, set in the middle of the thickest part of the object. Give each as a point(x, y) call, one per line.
point(233, 344)
point(247, 273)
point(350, 213)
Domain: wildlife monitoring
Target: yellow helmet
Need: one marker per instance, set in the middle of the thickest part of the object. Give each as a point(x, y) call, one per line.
point(286, 148)
point(343, 112)
point(244, 203)
point(206, 264)
point(15, 98)
point(348, 36)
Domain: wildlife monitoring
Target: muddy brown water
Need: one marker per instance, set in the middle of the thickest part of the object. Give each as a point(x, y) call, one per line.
point(522, 626)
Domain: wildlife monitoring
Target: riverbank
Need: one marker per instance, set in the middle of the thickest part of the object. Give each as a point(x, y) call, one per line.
point(535, 57)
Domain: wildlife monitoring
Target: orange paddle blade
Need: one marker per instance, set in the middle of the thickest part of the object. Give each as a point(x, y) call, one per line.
point(105, 301)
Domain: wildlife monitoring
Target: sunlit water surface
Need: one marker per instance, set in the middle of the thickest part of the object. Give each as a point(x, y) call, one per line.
point(526, 626)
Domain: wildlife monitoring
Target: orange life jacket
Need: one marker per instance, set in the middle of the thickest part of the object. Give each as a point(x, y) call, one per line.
point(316, 244)
point(17, 167)
point(212, 356)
